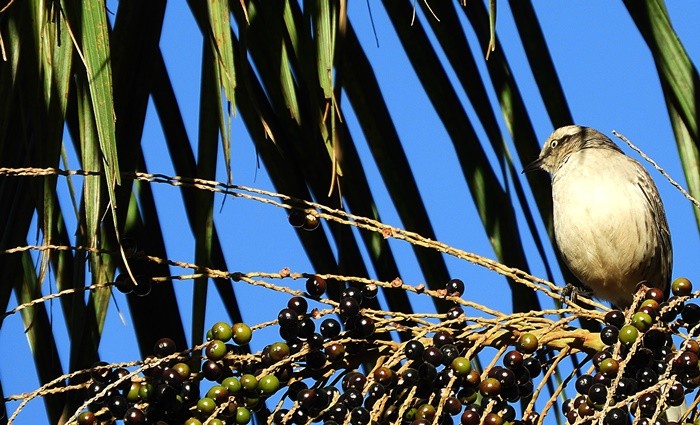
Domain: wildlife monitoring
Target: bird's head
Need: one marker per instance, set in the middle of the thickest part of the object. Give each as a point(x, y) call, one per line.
point(565, 141)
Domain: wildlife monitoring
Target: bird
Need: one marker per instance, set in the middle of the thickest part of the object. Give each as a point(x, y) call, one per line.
point(609, 221)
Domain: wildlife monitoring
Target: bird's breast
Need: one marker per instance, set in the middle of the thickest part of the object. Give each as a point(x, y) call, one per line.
point(600, 216)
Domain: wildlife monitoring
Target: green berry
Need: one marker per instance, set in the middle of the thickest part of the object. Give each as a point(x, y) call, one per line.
point(461, 366)
point(232, 384)
point(642, 321)
point(527, 343)
point(425, 411)
point(242, 415)
point(193, 421)
point(251, 402)
point(216, 350)
point(628, 334)
point(146, 392)
point(132, 396)
point(182, 369)
point(268, 385)
point(221, 331)
point(206, 406)
point(651, 303)
point(218, 393)
point(279, 351)
point(242, 334)
point(249, 382)
point(609, 367)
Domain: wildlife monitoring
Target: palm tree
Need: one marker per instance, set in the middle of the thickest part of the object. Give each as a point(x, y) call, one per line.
point(77, 78)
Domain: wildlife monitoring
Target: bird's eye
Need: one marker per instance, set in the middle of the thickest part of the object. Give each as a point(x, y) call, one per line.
point(554, 144)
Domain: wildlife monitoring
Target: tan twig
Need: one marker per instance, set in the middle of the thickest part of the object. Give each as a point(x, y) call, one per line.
point(327, 213)
point(659, 169)
point(479, 327)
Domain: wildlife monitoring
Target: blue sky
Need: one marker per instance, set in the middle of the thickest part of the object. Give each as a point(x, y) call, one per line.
point(608, 77)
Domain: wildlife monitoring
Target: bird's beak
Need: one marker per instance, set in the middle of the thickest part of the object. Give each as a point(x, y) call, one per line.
point(534, 165)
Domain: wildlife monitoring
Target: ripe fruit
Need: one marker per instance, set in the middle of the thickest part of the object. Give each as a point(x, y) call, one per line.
point(134, 416)
point(384, 376)
point(609, 335)
point(315, 359)
point(414, 350)
point(455, 287)
point(615, 318)
point(691, 314)
point(349, 307)
point(316, 286)
point(330, 328)
point(298, 304)
point(311, 222)
point(124, 283)
point(370, 291)
point(355, 380)
point(288, 318)
point(296, 218)
point(143, 287)
point(442, 338)
point(211, 370)
point(164, 347)
point(335, 352)
point(513, 359)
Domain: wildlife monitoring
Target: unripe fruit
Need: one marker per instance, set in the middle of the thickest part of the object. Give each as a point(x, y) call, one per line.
point(242, 334)
point(527, 343)
point(221, 331)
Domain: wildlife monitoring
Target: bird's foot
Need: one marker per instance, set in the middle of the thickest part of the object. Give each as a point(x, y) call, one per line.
point(571, 292)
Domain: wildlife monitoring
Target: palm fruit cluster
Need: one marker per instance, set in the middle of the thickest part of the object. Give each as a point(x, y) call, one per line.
point(351, 366)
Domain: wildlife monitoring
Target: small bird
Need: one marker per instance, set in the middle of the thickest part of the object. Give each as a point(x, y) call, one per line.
point(609, 221)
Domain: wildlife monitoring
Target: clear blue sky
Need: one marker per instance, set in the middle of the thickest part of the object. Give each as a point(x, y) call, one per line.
point(608, 77)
